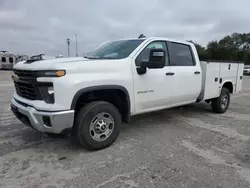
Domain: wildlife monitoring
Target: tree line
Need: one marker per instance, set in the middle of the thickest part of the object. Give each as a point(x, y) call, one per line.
point(234, 47)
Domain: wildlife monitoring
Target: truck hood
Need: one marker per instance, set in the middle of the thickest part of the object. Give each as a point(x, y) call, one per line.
point(77, 65)
point(49, 64)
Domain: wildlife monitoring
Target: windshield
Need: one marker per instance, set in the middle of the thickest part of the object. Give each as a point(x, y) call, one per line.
point(115, 50)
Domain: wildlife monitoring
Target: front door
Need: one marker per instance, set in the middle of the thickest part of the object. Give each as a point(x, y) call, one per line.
point(151, 90)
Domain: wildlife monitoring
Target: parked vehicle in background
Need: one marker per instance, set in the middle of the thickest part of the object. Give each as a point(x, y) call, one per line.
point(8, 60)
point(247, 70)
point(91, 96)
point(21, 58)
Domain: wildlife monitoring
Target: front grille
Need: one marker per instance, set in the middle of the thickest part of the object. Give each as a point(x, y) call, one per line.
point(24, 73)
point(26, 90)
point(26, 85)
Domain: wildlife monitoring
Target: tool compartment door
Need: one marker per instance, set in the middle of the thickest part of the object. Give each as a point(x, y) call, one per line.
point(239, 77)
point(228, 72)
point(212, 72)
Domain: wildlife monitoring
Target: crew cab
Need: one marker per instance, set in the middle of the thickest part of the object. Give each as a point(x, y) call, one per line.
point(91, 96)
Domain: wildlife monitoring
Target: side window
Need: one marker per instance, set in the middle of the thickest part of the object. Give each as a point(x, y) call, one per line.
point(3, 59)
point(11, 59)
point(144, 55)
point(180, 54)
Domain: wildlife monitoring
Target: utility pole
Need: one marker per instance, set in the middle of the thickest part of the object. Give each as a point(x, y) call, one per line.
point(68, 43)
point(76, 46)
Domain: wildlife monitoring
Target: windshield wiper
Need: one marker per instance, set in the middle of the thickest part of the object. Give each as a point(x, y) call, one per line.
point(92, 57)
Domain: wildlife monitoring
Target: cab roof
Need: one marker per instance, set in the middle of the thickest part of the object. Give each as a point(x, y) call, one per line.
point(158, 38)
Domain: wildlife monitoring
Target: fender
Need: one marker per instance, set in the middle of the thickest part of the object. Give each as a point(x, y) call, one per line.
point(100, 87)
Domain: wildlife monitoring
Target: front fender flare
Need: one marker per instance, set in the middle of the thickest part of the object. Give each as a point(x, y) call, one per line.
point(100, 87)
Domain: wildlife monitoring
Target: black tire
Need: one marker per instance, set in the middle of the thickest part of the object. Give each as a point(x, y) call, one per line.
point(217, 105)
point(83, 122)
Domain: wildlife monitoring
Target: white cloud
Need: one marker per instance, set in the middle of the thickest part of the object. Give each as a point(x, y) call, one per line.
point(35, 26)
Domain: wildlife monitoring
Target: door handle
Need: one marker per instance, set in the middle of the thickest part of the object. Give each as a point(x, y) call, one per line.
point(197, 72)
point(170, 73)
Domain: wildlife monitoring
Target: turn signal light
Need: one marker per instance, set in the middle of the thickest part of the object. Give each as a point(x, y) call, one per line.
point(60, 73)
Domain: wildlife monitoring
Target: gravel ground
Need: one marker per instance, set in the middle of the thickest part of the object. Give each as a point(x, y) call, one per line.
point(182, 147)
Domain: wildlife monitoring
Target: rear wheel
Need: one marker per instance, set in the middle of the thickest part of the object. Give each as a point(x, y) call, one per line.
point(221, 104)
point(97, 125)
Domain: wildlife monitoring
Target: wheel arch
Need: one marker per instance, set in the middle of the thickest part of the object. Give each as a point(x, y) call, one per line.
point(229, 86)
point(101, 88)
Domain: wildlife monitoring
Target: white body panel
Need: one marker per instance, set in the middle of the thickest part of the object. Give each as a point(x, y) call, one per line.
point(152, 90)
point(228, 70)
point(185, 93)
point(81, 73)
point(149, 92)
point(211, 72)
point(155, 90)
point(238, 87)
point(216, 74)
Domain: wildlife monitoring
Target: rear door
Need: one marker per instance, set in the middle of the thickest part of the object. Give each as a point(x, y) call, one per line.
point(187, 73)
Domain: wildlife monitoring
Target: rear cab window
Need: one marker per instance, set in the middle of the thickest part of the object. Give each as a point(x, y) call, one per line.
point(180, 54)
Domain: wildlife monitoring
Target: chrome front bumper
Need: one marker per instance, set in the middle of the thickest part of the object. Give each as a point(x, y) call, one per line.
point(48, 122)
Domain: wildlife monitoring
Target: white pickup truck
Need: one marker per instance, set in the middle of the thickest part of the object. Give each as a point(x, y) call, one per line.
point(91, 96)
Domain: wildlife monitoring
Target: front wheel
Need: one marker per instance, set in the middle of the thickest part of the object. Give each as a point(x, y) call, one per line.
point(221, 104)
point(97, 125)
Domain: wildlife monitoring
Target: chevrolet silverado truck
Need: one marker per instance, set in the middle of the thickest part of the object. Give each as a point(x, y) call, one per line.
point(91, 96)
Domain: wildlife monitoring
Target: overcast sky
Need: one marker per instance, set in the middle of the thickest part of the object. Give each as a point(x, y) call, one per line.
point(42, 26)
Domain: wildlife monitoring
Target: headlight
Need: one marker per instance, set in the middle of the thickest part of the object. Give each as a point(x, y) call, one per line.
point(52, 73)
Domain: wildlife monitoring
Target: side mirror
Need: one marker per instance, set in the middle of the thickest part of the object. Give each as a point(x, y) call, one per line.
point(157, 59)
